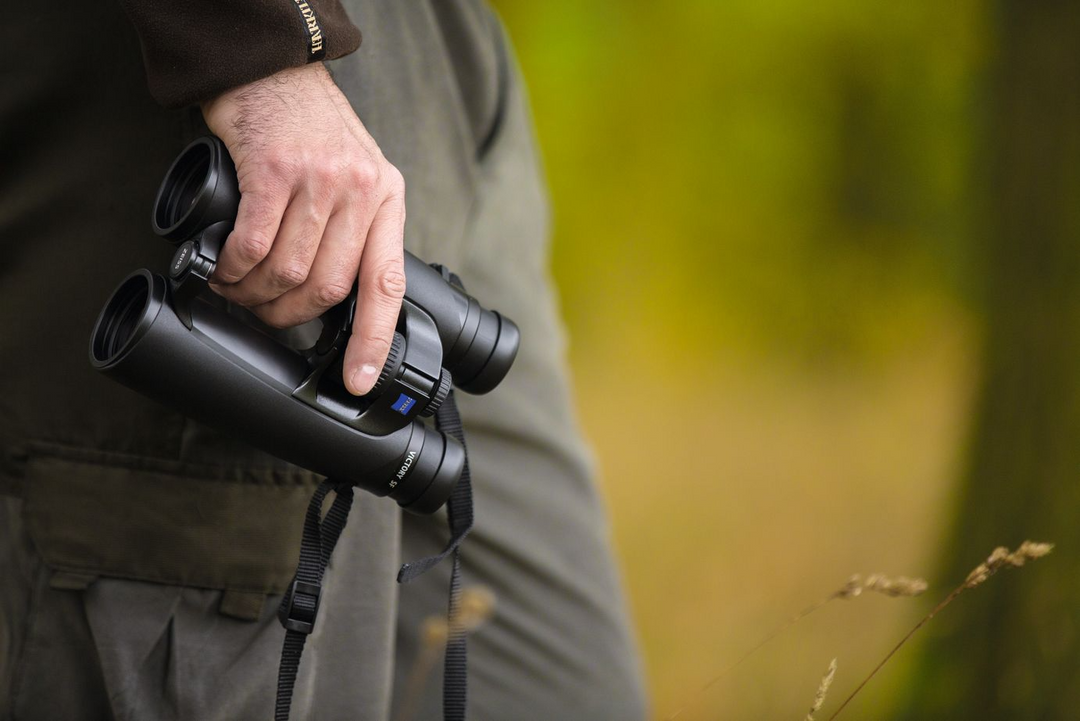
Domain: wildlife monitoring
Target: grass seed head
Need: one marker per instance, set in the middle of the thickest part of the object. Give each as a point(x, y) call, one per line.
point(822, 691)
point(1002, 557)
point(899, 586)
point(1029, 551)
point(880, 583)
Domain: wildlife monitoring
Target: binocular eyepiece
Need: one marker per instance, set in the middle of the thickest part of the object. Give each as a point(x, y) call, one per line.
point(163, 338)
point(199, 190)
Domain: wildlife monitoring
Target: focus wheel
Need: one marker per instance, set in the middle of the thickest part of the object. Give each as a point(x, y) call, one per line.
point(445, 383)
point(392, 366)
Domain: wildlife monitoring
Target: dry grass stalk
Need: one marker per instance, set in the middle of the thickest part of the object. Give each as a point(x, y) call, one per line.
point(876, 583)
point(475, 606)
point(1000, 558)
point(822, 691)
point(895, 587)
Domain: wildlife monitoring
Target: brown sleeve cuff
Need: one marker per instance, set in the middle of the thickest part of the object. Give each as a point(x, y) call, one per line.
point(196, 49)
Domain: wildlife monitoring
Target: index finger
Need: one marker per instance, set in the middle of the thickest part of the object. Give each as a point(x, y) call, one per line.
point(381, 288)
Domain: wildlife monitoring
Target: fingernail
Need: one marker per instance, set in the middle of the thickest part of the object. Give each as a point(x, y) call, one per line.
point(364, 378)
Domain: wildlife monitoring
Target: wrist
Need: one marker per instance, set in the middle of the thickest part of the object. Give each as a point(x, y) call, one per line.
point(282, 88)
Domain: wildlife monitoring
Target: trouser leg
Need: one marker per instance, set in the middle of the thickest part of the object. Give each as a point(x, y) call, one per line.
point(559, 644)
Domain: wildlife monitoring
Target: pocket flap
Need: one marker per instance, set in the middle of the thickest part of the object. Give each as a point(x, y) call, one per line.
point(149, 525)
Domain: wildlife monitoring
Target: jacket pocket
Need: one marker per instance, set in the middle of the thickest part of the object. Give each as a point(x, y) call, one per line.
point(140, 522)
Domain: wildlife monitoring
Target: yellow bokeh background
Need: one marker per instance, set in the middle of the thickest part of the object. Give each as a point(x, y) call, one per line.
point(762, 223)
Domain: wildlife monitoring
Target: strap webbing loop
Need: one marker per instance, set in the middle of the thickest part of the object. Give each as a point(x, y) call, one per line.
point(300, 605)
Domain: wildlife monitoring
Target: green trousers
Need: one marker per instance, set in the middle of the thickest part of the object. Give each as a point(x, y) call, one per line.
point(142, 556)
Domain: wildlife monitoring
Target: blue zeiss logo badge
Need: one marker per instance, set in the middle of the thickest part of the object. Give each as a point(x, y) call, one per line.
point(403, 404)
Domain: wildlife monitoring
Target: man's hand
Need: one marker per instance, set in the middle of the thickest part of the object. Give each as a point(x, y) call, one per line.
point(319, 207)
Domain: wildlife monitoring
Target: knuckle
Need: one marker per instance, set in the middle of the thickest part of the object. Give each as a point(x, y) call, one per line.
point(289, 275)
point(253, 246)
point(332, 293)
point(278, 163)
point(364, 176)
point(390, 283)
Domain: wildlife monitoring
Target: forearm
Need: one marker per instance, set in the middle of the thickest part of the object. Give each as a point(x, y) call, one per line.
point(194, 50)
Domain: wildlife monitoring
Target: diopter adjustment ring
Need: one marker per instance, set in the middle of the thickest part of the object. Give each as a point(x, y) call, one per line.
point(445, 384)
point(392, 366)
point(188, 258)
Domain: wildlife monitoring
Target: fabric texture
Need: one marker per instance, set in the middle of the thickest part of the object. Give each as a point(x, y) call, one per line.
point(166, 528)
point(83, 145)
point(196, 49)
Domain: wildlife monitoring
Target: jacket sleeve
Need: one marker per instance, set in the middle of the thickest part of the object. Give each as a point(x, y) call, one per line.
point(196, 49)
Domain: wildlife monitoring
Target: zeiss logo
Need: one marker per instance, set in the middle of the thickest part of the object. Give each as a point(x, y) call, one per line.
point(403, 404)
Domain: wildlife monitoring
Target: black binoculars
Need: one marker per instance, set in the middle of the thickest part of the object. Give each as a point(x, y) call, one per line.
point(168, 339)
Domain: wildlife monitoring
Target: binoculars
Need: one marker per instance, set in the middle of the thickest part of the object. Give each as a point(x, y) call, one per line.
point(167, 338)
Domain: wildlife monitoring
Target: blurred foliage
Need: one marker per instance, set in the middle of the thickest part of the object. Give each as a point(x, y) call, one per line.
point(775, 232)
point(779, 176)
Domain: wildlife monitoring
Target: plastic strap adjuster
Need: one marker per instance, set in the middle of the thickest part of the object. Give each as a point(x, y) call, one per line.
point(301, 617)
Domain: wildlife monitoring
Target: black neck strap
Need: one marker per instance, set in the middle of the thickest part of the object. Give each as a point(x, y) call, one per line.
point(459, 512)
point(300, 605)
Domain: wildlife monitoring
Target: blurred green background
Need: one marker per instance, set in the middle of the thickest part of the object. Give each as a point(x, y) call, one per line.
point(827, 255)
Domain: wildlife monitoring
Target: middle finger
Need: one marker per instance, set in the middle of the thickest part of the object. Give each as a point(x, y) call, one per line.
point(289, 261)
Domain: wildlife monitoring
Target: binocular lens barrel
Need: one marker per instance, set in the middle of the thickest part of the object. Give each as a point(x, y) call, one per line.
point(479, 345)
point(490, 354)
point(225, 374)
